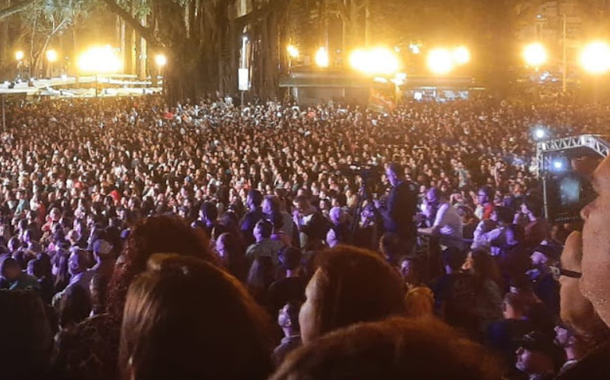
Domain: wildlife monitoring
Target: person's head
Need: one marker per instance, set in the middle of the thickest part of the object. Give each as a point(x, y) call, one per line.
point(544, 256)
point(514, 306)
point(532, 206)
point(102, 249)
point(187, 319)
point(74, 307)
point(288, 317)
point(537, 354)
point(290, 258)
point(397, 348)
point(208, 212)
point(303, 205)
point(577, 311)
point(79, 261)
point(485, 195)
point(350, 285)
point(262, 229)
point(151, 235)
point(271, 205)
point(395, 173)
point(502, 215)
point(453, 259)
point(254, 200)
point(412, 270)
point(9, 269)
point(433, 196)
point(27, 341)
point(337, 216)
point(480, 263)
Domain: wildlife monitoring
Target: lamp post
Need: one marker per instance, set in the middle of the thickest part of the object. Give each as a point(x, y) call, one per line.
point(161, 61)
point(52, 58)
point(19, 57)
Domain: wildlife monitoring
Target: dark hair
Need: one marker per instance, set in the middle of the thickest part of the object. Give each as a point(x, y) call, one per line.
point(397, 348)
point(517, 302)
point(209, 210)
point(266, 228)
point(186, 319)
point(149, 236)
point(27, 341)
point(484, 267)
point(504, 214)
point(488, 191)
point(534, 204)
point(256, 197)
point(290, 258)
point(354, 285)
point(397, 169)
point(99, 293)
point(453, 258)
point(392, 247)
point(292, 311)
point(60, 260)
point(233, 260)
point(74, 307)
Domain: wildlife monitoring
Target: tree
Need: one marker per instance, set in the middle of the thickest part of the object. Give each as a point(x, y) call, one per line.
point(15, 8)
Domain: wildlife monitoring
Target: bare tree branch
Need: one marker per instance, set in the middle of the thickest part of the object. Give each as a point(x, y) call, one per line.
point(146, 32)
point(7, 12)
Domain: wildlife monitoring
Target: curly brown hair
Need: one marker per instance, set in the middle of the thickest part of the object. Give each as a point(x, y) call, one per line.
point(157, 234)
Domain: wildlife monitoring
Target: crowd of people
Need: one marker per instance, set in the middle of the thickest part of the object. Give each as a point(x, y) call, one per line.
point(141, 241)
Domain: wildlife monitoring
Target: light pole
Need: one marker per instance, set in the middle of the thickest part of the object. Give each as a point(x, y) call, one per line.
point(52, 58)
point(161, 61)
point(19, 57)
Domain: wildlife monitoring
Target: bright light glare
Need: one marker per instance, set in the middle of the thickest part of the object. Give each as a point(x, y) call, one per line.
point(19, 55)
point(379, 61)
point(321, 57)
point(539, 133)
point(51, 55)
point(461, 55)
point(160, 60)
point(558, 164)
point(440, 61)
point(595, 58)
point(293, 51)
point(100, 60)
point(535, 55)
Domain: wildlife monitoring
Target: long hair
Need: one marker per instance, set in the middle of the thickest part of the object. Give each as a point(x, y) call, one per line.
point(152, 235)
point(484, 267)
point(187, 319)
point(355, 285)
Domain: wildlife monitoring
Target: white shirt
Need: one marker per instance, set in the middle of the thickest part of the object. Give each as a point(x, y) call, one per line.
point(450, 224)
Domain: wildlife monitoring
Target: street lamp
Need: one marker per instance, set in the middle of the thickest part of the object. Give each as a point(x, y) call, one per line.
point(595, 58)
point(52, 58)
point(535, 55)
point(19, 55)
point(461, 55)
point(161, 61)
point(293, 51)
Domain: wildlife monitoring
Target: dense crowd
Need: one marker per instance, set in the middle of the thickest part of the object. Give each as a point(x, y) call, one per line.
point(141, 241)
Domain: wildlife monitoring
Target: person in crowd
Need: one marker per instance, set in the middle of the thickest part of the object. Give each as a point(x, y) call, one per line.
point(208, 215)
point(74, 307)
point(103, 254)
point(339, 232)
point(495, 238)
point(338, 294)
point(538, 357)
point(537, 229)
point(99, 293)
point(170, 331)
point(292, 286)
point(446, 223)
point(399, 211)
point(40, 269)
point(396, 348)
point(485, 205)
point(16, 278)
point(545, 285)
point(263, 245)
point(231, 255)
point(80, 274)
point(288, 320)
point(254, 215)
point(502, 336)
point(573, 346)
point(419, 300)
point(27, 342)
point(311, 224)
point(284, 227)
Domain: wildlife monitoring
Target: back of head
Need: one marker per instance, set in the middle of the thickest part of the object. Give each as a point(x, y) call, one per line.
point(74, 307)
point(504, 215)
point(25, 351)
point(354, 285)
point(149, 236)
point(186, 319)
point(396, 348)
point(290, 258)
point(454, 258)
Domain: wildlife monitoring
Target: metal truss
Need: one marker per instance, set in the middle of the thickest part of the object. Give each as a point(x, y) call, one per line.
point(545, 150)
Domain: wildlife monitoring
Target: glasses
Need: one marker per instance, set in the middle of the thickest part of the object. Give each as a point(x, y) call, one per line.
point(558, 272)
